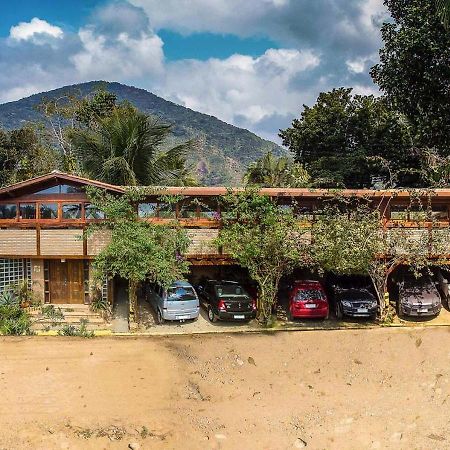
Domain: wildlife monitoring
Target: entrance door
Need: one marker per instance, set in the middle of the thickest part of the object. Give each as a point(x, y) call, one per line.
point(66, 281)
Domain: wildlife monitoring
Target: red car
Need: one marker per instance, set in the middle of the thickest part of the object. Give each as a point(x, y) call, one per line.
point(308, 299)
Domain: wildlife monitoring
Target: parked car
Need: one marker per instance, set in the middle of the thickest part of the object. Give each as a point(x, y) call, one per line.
point(307, 299)
point(418, 297)
point(227, 300)
point(177, 302)
point(354, 302)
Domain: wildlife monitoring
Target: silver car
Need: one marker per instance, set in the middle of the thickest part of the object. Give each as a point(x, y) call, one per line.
point(177, 302)
point(419, 297)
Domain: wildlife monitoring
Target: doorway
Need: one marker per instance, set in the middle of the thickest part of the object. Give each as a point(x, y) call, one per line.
point(66, 281)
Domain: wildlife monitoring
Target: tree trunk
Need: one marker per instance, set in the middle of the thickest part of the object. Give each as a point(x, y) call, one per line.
point(132, 298)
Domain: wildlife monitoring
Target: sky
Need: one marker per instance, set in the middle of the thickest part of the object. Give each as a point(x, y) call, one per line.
point(252, 63)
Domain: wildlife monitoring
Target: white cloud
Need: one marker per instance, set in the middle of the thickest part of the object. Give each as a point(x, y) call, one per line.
point(26, 31)
point(120, 56)
point(324, 44)
point(240, 89)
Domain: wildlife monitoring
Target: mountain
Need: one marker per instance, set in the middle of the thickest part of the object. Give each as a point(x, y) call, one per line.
point(223, 153)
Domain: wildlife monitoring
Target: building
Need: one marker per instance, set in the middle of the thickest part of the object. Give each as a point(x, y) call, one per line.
point(42, 222)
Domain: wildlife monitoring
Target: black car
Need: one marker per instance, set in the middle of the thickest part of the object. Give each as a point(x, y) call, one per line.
point(226, 300)
point(354, 302)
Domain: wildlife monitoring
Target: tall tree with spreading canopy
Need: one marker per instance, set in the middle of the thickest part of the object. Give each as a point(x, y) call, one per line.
point(348, 140)
point(265, 239)
point(137, 249)
point(414, 68)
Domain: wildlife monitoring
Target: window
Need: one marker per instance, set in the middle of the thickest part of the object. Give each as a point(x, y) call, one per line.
point(71, 211)
point(13, 271)
point(439, 212)
point(8, 211)
point(187, 210)
point(209, 210)
point(48, 211)
point(399, 212)
point(305, 213)
point(27, 210)
point(417, 213)
point(60, 189)
point(166, 211)
point(147, 210)
point(93, 213)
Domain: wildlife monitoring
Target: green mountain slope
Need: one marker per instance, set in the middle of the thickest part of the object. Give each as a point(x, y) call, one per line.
point(223, 153)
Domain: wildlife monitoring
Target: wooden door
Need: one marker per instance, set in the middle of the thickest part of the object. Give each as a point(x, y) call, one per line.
point(66, 282)
point(75, 281)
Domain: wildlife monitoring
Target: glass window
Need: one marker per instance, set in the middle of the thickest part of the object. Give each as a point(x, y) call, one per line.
point(305, 213)
point(417, 213)
point(71, 211)
point(8, 211)
point(399, 212)
point(187, 209)
point(93, 213)
point(27, 210)
point(181, 293)
point(48, 211)
point(166, 210)
point(439, 212)
point(147, 210)
point(60, 189)
point(209, 210)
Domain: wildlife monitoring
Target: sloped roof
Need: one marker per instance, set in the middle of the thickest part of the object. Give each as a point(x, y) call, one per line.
point(58, 177)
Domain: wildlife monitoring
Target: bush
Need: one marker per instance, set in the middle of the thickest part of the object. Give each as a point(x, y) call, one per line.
point(71, 330)
point(13, 319)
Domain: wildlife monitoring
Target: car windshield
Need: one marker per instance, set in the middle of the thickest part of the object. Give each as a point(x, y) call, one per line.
point(357, 294)
point(224, 290)
point(180, 293)
point(309, 294)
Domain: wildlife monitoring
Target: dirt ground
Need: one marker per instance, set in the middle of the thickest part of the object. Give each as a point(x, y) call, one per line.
point(354, 389)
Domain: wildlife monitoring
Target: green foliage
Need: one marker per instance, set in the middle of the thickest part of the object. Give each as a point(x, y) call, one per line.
point(24, 154)
point(346, 140)
point(271, 171)
point(414, 68)
point(124, 148)
point(138, 250)
point(90, 110)
point(13, 319)
point(265, 239)
point(82, 331)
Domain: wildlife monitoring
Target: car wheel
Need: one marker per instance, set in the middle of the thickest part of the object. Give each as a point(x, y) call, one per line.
point(338, 311)
point(159, 317)
point(211, 315)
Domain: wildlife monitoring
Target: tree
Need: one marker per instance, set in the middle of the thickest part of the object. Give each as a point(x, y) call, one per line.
point(414, 69)
point(270, 171)
point(348, 239)
point(265, 239)
point(443, 9)
point(347, 140)
point(138, 250)
point(125, 149)
point(24, 155)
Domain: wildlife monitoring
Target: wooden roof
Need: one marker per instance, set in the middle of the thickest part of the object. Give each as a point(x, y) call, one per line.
point(17, 189)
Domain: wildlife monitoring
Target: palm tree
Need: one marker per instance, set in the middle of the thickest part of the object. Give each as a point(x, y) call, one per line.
point(126, 149)
point(443, 9)
point(271, 171)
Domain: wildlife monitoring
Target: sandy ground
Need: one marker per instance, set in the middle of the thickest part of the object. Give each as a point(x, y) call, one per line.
point(353, 389)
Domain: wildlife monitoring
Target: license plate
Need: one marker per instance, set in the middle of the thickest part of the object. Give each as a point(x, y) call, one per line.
point(310, 305)
point(362, 310)
point(182, 317)
point(239, 316)
point(423, 310)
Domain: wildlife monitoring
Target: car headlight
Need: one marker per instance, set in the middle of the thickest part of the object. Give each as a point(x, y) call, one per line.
point(346, 303)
